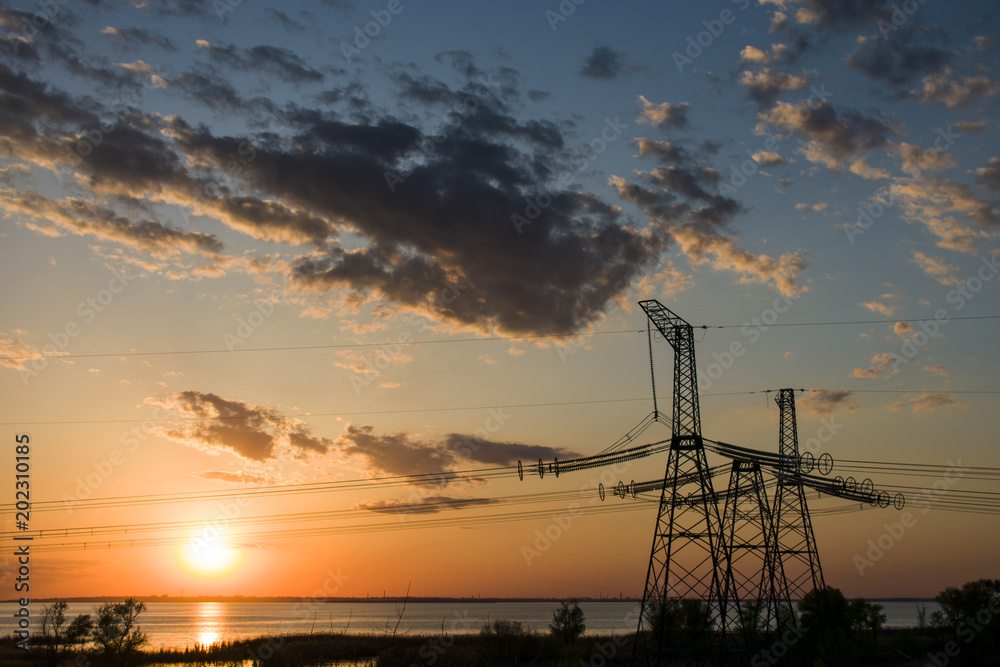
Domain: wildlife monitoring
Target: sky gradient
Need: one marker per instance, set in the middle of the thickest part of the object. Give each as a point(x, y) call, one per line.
point(248, 247)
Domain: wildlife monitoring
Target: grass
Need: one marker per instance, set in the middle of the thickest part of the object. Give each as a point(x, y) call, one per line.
point(514, 646)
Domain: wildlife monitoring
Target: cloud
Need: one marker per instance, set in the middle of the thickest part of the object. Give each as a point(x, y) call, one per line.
point(433, 461)
point(664, 151)
point(765, 85)
point(988, 176)
point(931, 402)
point(917, 160)
point(131, 37)
point(770, 159)
point(834, 138)
point(898, 60)
point(887, 309)
point(682, 201)
point(880, 367)
point(984, 43)
point(76, 216)
point(490, 452)
point(212, 424)
point(751, 54)
point(813, 208)
point(936, 268)
point(426, 505)
point(937, 202)
point(603, 64)
point(663, 115)
point(277, 60)
point(902, 328)
point(971, 126)
point(329, 175)
point(14, 352)
point(937, 369)
point(236, 477)
point(952, 90)
point(828, 401)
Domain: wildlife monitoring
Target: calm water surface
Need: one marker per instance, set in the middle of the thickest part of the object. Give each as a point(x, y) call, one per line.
point(185, 624)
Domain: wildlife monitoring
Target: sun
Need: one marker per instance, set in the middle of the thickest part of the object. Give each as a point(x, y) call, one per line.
point(210, 556)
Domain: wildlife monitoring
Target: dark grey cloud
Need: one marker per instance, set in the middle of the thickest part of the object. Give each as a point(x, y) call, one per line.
point(837, 135)
point(214, 424)
point(603, 64)
point(433, 461)
point(491, 452)
point(276, 60)
point(281, 18)
point(131, 37)
point(988, 176)
point(898, 61)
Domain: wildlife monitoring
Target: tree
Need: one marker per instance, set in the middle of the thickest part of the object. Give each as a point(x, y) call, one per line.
point(969, 614)
point(875, 619)
point(117, 633)
point(59, 638)
point(921, 616)
point(828, 609)
point(567, 622)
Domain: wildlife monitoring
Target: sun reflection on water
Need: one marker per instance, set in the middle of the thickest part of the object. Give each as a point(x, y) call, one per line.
point(209, 620)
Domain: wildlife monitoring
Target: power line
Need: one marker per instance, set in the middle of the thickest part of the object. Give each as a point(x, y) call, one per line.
point(844, 322)
point(330, 346)
point(390, 343)
point(482, 407)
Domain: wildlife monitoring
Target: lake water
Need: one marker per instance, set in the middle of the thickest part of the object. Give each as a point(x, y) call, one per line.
point(183, 624)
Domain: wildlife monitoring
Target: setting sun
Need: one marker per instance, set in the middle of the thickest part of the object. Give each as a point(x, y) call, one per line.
point(210, 556)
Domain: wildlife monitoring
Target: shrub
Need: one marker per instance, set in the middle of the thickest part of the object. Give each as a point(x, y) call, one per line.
point(567, 622)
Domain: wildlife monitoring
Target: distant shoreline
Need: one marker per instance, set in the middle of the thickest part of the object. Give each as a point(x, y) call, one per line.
point(380, 600)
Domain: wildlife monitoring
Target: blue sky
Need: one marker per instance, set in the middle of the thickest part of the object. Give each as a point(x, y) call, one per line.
point(344, 254)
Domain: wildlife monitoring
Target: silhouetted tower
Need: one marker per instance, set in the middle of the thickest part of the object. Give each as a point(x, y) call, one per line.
point(747, 537)
point(798, 570)
point(686, 609)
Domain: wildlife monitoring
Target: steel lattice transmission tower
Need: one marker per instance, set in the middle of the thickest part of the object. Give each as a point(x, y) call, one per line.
point(798, 571)
point(747, 535)
point(687, 610)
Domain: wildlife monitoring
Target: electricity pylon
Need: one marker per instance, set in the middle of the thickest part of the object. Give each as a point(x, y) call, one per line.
point(687, 610)
point(798, 571)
